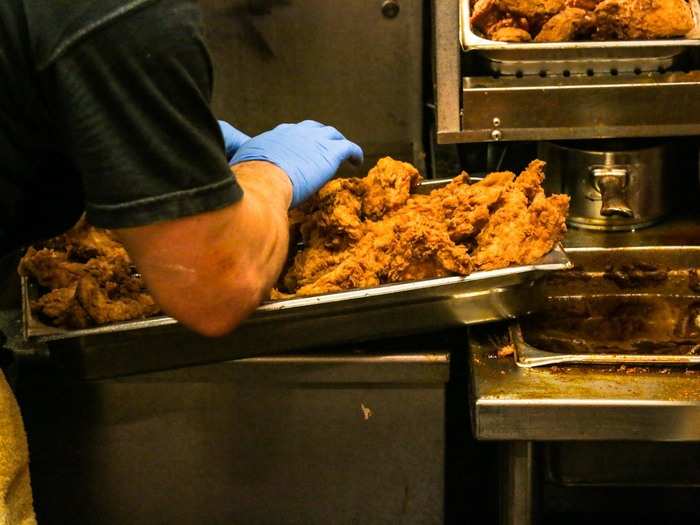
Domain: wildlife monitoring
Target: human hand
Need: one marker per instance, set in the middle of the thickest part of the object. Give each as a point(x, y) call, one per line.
point(309, 153)
point(233, 139)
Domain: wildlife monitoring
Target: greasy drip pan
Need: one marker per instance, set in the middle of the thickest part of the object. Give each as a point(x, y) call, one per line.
point(618, 306)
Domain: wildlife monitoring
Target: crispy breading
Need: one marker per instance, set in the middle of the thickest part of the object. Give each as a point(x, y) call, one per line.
point(87, 278)
point(433, 235)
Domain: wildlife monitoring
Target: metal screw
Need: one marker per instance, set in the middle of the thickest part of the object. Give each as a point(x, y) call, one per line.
point(496, 122)
point(496, 134)
point(390, 8)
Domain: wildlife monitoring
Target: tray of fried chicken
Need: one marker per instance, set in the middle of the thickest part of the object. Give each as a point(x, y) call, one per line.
point(580, 29)
point(385, 253)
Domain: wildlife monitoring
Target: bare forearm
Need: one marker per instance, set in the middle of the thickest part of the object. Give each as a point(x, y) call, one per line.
point(211, 270)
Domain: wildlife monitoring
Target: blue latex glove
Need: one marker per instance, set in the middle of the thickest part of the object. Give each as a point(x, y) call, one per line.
point(309, 153)
point(233, 139)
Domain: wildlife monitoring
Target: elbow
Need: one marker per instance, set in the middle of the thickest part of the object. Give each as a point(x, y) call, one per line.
point(221, 316)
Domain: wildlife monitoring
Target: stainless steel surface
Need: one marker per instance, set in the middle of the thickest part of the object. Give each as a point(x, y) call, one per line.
point(576, 57)
point(584, 402)
point(249, 441)
point(345, 64)
point(578, 403)
point(447, 74)
point(645, 105)
point(517, 483)
point(619, 185)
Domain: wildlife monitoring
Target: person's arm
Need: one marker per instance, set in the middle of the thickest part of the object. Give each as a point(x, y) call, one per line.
point(211, 270)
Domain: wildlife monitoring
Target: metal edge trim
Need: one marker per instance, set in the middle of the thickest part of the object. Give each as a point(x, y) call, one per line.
point(539, 357)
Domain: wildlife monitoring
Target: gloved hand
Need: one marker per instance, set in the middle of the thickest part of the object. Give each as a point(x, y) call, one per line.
point(309, 153)
point(233, 139)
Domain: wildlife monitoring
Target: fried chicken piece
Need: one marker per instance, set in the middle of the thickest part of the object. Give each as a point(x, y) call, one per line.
point(90, 279)
point(60, 307)
point(421, 249)
point(84, 242)
point(510, 34)
point(643, 19)
point(485, 14)
point(108, 304)
point(388, 186)
point(571, 24)
point(495, 23)
point(50, 268)
point(533, 10)
point(336, 213)
point(525, 224)
point(404, 247)
point(467, 207)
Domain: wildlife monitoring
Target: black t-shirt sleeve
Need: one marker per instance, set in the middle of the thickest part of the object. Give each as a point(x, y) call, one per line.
point(131, 106)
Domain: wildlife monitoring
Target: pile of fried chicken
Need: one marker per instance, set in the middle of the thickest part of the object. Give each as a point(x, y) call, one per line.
point(87, 279)
point(363, 232)
point(566, 20)
point(354, 233)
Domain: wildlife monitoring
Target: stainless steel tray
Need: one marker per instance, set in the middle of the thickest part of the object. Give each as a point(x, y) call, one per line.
point(674, 262)
point(335, 319)
point(332, 319)
point(581, 57)
point(433, 303)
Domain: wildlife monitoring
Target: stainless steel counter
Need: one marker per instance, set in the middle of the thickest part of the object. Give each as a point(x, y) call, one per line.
point(586, 403)
point(578, 403)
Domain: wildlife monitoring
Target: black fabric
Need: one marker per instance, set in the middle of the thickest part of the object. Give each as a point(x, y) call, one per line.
point(104, 107)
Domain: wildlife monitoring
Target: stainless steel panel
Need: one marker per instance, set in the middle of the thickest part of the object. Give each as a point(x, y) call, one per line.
point(283, 440)
point(447, 72)
point(650, 104)
point(343, 63)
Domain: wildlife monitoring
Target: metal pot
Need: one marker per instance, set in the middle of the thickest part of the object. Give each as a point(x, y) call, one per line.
point(613, 185)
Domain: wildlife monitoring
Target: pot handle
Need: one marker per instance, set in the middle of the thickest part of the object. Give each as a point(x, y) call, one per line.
point(612, 185)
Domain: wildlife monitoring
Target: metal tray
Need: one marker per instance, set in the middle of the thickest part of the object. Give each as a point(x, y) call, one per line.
point(671, 283)
point(333, 319)
point(580, 57)
point(476, 298)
